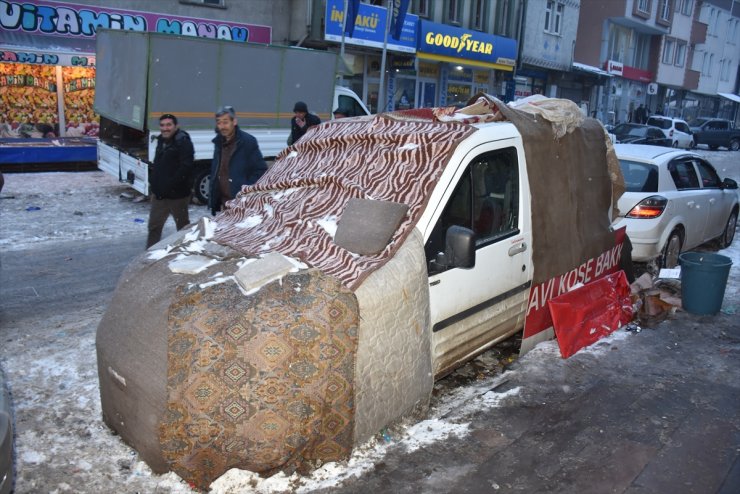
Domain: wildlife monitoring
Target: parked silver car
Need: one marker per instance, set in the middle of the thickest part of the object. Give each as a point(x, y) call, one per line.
point(674, 201)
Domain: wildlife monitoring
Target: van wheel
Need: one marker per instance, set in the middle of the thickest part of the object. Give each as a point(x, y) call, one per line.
point(201, 186)
point(669, 258)
point(692, 144)
point(675, 144)
point(729, 234)
point(735, 145)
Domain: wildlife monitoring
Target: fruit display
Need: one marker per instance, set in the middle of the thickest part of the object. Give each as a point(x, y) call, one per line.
point(79, 95)
point(28, 95)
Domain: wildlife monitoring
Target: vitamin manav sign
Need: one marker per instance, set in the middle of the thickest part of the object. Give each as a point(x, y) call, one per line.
point(455, 45)
point(82, 21)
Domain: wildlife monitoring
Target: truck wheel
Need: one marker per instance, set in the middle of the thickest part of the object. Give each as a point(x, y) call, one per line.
point(729, 234)
point(669, 257)
point(201, 185)
point(735, 145)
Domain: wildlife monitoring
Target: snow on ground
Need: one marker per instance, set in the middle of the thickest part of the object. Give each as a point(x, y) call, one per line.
point(60, 435)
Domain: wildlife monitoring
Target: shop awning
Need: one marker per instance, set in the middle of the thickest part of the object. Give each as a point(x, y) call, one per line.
point(730, 96)
point(590, 69)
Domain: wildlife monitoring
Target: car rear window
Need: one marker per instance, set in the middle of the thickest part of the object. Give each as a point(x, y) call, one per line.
point(639, 177)
point(659, 122)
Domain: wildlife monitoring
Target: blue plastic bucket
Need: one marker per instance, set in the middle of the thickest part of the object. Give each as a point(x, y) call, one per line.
point(703, 281)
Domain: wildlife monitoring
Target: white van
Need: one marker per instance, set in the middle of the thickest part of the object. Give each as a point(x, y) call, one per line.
point(675, 129)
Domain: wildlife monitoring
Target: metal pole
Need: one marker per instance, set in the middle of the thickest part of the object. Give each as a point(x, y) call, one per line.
point(341, 49)
point(381, 89)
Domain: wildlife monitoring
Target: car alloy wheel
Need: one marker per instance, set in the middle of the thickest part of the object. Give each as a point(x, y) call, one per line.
point(672, 249)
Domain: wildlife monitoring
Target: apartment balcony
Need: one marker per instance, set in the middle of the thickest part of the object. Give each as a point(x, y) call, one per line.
point(698, 32)
point(691, 79)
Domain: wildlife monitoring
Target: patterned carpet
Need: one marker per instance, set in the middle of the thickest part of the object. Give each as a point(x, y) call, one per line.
point(262, 383)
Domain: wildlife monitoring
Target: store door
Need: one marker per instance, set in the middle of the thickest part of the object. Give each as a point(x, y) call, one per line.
point(427, 92)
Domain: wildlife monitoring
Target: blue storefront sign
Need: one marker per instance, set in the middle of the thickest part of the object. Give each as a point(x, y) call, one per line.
point(455, 45)
point(370, 26)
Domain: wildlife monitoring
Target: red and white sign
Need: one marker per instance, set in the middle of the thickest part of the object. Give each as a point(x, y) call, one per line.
point(538, 317)
point(614, 67)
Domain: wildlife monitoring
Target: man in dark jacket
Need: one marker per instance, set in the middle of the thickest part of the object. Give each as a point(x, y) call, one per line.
point(171, 178)
point(237, 160)
point(301, 122)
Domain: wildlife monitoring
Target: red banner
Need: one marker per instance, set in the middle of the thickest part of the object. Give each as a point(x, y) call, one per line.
point(538, 314)
point(589, 313)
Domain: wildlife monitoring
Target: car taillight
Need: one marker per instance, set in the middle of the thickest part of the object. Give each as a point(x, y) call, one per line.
point(650, 207)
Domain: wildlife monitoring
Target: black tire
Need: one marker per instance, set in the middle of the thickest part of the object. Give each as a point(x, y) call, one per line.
point(692, 144)
point(713, 147)
point(201, 185)
point(729, 234)
point(735, 145)
point(671, 251)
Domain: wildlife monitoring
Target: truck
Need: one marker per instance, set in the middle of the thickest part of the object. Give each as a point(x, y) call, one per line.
point(716, 132)
point(141, 76)
point(374, 256)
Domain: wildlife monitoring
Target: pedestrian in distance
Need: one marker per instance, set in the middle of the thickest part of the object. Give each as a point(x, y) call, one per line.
point(237, 160)
point(641, 114)
point(171, 178)
point(301, 122)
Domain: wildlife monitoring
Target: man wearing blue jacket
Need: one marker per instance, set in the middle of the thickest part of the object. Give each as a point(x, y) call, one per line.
point(237, 160)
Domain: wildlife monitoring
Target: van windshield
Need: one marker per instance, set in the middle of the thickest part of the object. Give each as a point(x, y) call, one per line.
point(639, 177)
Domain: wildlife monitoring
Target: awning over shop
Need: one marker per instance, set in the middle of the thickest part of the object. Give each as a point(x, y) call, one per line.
point(590, 69)
point(730, 96)
point(450, 44)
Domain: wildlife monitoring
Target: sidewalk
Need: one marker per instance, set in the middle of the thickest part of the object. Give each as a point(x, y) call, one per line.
point(650, 412)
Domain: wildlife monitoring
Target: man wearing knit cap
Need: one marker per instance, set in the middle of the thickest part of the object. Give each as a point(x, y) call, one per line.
point(301, 122)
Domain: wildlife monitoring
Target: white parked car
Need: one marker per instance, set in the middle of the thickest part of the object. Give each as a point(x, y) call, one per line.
point(675, 129)
point(674, 201)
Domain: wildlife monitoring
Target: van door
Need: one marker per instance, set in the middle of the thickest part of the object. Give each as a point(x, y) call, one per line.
point(473, 308)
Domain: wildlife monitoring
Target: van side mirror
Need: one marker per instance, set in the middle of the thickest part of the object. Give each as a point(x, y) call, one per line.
point(729, 183)
point(460, 247)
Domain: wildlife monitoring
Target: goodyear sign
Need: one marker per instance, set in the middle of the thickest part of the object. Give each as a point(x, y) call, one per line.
point(455, 45)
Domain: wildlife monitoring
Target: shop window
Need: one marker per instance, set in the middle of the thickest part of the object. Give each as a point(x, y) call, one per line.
point(553, 17)
point(454, 11)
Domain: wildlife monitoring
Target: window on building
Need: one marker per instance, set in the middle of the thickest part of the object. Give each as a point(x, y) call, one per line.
point(423, 8)
point(665, 10)
point(705, 64)
point(553, 17)
point(619, 42)
point(503, 24)
point(680, 54)
point(643, 6)
point(711, 63)
point(686, 7)
point(478, 17)
point(668, 51)
point(454, 14)
point(642, 51)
